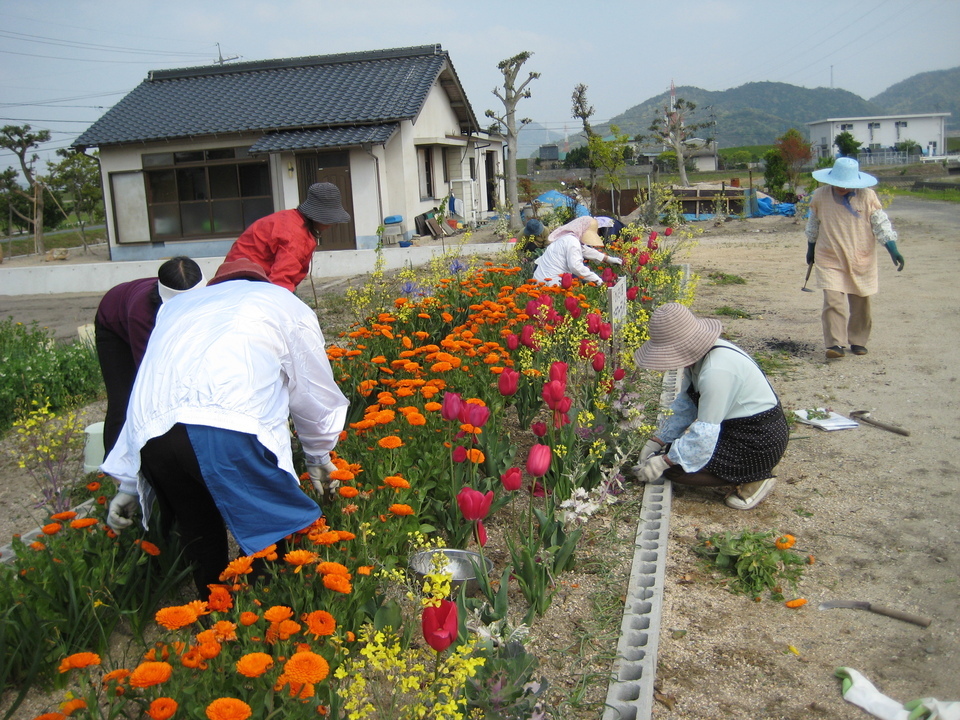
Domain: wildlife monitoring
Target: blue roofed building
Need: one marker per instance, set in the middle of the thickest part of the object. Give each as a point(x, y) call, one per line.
point(191, 157)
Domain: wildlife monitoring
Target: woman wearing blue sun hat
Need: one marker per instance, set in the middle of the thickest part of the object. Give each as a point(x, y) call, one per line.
point(846, 224)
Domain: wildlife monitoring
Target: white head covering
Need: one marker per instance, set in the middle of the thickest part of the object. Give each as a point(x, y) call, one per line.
point(584, 228)
point(168, 292)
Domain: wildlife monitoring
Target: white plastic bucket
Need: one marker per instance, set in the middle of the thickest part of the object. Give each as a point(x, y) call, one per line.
point(93, 447)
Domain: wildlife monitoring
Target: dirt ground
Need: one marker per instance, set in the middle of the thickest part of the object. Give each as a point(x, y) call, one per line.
point(879, 511)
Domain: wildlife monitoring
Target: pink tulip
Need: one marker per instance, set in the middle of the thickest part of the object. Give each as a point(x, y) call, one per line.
point(508, 382)
point(440, 625)
point(474, 505)
point(450, 407)
point(526, 337)
point(537, 490)
point(606, 330)
point(553, 392)
point(538, 461)
point(618, 374)
point(566, 281)
point(539, 429)
point(599, 360)
point(593, 323)
point(571, 303)
point(632, 292)
point(564, 404)
point(668, 232)
point(473, 414)
point(481, 534)
point(558, 371)
point(512, 479)
point(513, 342)
point(459, 454)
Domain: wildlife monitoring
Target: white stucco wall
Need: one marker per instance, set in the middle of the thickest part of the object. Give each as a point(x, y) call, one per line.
point(926, 130)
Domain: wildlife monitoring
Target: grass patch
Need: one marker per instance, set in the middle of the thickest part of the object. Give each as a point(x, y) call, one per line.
point(721, 278)
point(951, 195)
point(52, 239)
point(774, 363)
point(728, 311)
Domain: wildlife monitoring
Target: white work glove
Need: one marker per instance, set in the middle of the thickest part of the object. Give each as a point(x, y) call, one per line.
point(611, 260)
point(122, 509)
point(652, 447)
point(651, 468)
point(320, 477)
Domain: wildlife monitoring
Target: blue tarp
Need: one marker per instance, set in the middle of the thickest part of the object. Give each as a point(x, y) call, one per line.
point(558, 199)
point(766, 206)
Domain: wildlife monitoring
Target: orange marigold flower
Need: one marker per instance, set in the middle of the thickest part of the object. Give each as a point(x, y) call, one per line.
point(254, 664)
point(51, 716)
point(93, 486)
point(396, 481)
point(390, 442)
point(350, 509)
point(346, 535)
point(193, 659)
point(248, 618)
point(320, 622)
point(149, 548)
point(799, 602)
point(337, 583)
point(287, 629)
point(224, 631)
point(176, 617)
point(432, 406)
point(299, 558)
point(401, 509)
point(66, 515)
point(52, 528)
point(416, 419)
point(119, 675)
point(37, 545)
point(209, 650)
point(102, 500)
point(332, 568)
point(228, 709)
point(220, 598)
point(69, 707)
point(342, 475)
point(348, 491)
point(278, 613)
point(162, 708)
point(306, 667)
point(475, 456)
point(236, 568)
point(267, 552)
point(81, 523)
point(148, 674)
point(785, 541)
point(331, 537)
point(79, 660)
point(364, 569)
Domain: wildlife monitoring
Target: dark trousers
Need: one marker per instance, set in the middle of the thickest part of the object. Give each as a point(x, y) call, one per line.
point(119, 371)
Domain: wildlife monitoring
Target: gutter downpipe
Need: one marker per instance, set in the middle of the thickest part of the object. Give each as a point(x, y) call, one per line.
point(368, 148)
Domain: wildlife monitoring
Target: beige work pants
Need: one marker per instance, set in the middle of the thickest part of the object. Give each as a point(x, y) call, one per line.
point(846, 319)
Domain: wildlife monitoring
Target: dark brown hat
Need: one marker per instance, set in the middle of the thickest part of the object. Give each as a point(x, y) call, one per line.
point(323, 205)
point(239, 269)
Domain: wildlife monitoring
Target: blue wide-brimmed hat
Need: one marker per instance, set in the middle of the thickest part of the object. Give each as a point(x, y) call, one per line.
point(845, 173)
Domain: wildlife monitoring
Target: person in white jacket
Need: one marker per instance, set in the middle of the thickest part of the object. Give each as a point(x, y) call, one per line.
point(567, 248)
point(207, 426)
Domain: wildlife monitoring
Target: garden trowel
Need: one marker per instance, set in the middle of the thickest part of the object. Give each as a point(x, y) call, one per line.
point(879, 609)
point(807, 279)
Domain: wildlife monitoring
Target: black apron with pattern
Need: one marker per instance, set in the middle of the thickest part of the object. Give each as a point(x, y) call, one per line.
point(748, 448)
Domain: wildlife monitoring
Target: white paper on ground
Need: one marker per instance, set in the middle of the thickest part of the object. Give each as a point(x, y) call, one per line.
point(834, 422)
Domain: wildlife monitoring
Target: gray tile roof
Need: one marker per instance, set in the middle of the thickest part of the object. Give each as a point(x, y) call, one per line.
point(350, 136)
point(331, 91)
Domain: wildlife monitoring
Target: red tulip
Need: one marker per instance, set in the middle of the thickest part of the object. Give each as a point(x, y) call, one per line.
point(619, 373)
point(538, 490)
point(440, 625)
point(508, 382)
point(566, 281)
point(608, 276)
point(558, 371)
point(459, 454)
point(473, 414)
point(632, 292)
point(526, 337)
point(571, 303)
point(564, 404)
point(450, 407)
point(652, 244)
point(643, 259)
point(512, 479)
point(606, 330)
point(653, 236)
point(474, 505)
point(588, 348)
point(539, 429)
point(538, 461)
point(668, 232)
point(481, 534)
point(553, 392)
point(599, 360)
point(593, 323)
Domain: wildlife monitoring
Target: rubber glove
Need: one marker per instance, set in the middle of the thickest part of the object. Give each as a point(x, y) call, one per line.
point(932, 709)
point(611, 260)
point(122, 508)
point(652, 468)
point(861, 692)
point(811, 251)
point(895, 255)
point(320, 477)
point(652, 447)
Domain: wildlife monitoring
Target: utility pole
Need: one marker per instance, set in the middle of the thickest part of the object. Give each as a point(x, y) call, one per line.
point(221, 59)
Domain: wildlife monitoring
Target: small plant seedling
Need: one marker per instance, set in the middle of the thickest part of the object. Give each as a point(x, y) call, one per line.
point(774, 364)
point(728, 311)
point(722, 278)
point(802, 512)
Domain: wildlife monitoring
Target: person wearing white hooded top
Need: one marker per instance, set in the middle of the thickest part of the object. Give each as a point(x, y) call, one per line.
point(567, 248)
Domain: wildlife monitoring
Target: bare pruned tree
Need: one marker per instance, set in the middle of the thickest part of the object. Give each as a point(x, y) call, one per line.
point(20, 141)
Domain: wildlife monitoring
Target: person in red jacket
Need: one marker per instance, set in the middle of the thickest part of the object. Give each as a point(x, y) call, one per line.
point(283, 243)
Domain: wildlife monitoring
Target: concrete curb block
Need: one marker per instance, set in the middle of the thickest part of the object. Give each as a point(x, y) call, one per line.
point(6, 551)
point(630, 694)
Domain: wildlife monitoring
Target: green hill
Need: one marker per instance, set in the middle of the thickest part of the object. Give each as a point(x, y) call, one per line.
point(936, 91)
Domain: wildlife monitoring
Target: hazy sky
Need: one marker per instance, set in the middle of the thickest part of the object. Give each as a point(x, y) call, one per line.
point(64, 62)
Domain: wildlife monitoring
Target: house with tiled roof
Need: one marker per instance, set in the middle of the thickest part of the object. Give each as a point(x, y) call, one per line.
point(191, 157)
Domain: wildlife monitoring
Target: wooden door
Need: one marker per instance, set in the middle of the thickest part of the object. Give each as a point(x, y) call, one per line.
point(332, 168)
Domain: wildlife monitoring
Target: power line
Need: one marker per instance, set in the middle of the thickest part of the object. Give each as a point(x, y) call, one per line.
point(73, 59)
point(39, 39)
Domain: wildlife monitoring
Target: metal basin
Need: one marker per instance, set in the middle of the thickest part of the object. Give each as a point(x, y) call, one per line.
point(457, 564)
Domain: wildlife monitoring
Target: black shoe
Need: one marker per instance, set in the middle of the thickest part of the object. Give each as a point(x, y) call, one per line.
point(858, 350)
point(834, 352)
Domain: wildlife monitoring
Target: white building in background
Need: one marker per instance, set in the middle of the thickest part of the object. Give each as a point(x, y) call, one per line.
point(882, 132)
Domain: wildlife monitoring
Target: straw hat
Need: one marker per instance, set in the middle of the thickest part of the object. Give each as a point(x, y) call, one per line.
point(323, 205)
point(239, 269)
point(845, 173)
point(591, 236)
point(677, 338)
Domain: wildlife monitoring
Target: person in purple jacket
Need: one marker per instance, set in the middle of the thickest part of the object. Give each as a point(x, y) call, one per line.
point(124, 321)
